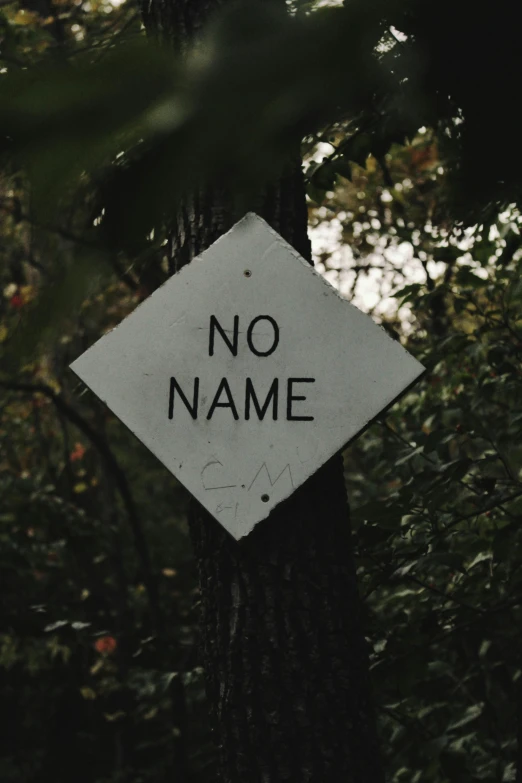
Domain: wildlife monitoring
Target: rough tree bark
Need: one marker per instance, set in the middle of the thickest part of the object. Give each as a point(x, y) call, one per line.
point(284, 651)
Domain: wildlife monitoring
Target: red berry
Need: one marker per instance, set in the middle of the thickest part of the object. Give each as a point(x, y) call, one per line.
point(105, 645)
point(16, 301)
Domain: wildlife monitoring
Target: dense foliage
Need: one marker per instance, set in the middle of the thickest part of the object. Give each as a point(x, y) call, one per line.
point(413, 165)
point(435, 484)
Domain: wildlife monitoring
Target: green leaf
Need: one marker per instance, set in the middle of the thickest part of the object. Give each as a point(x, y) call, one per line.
point(409, 455)
point(472, 713)
point(358, 148)
point(452, 560)
point(343, 167)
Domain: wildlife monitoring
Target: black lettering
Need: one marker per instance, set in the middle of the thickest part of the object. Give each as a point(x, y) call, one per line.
point(192, 409)
point(223, 386)
point(276, 335)
point(250, 395)
point(292, 397)
point(232, 345)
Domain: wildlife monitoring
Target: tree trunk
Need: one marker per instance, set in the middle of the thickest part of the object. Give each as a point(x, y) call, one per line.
point(284, 651)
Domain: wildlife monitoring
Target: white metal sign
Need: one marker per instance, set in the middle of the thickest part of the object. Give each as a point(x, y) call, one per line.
point(245, 372)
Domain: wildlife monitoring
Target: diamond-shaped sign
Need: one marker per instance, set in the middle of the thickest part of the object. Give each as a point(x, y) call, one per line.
point(245, 372)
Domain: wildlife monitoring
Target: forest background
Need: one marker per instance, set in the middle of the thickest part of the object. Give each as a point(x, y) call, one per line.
point(414, 179)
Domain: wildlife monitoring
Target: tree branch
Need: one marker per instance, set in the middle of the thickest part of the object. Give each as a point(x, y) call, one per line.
point(63, 407)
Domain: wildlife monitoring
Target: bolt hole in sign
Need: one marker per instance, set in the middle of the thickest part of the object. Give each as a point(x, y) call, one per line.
point(245, 372)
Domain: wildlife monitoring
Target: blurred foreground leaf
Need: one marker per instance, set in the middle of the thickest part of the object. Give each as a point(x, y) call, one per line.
point(234, 111)
point(45, 318)
point(60, 123)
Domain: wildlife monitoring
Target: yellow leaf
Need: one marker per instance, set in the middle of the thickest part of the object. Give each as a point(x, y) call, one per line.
point(55, 386)
point(27, 293)
point(97, 666)
point(169, 572)
point(42, 46)
point(25, 17)
point(113, 716)
point(371, 164)
point(3, 332)
point(80, 487)
point(88, 694)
